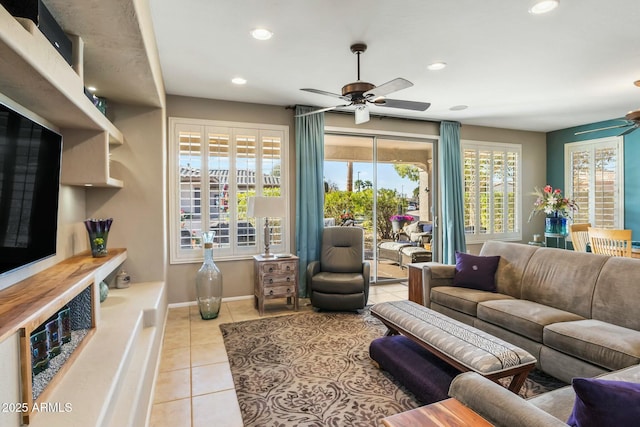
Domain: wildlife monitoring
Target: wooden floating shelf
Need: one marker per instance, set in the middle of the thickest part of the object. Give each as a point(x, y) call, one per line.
point(30, 302)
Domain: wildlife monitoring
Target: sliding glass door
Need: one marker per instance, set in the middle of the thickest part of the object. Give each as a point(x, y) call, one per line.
point(370, 180)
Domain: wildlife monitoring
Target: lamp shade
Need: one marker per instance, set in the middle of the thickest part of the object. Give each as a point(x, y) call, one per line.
point(266, 207)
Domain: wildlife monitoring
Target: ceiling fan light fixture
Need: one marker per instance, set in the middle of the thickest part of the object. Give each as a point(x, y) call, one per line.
point(261, 34)
point(543, 6)
point(362, 114)
point(435, 66)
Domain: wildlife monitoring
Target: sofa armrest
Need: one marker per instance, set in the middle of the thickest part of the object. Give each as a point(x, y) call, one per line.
point(498, 405)
point(435, 274)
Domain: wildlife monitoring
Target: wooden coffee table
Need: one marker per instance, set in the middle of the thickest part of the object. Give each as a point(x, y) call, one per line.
point(450, 413)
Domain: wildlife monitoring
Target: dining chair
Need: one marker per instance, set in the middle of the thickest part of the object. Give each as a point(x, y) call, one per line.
point(610, 242)
point(579, 236)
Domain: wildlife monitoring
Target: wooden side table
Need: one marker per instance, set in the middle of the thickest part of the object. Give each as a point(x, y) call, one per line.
point(449, 412)
point(415, 282)
point(275, 278)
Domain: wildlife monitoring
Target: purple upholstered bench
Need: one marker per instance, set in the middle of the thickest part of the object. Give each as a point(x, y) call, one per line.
point(421, 372)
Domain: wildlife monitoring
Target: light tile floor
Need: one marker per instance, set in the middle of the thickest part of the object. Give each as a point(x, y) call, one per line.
point(194, 387)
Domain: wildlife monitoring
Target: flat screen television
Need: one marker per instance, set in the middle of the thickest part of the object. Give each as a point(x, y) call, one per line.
point(30, 158)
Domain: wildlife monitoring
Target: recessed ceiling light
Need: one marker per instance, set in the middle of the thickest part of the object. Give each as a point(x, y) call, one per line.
point(436, 66)
point(261, 34)
point(238, 81)
point(458, 107)
point(91, 88)
point(544, 6)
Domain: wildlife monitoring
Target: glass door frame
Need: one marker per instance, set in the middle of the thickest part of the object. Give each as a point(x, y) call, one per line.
point(433, 191)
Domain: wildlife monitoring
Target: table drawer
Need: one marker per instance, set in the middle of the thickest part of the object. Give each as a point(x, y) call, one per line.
point(270, 280)
point(279, 267)
point(280, 291)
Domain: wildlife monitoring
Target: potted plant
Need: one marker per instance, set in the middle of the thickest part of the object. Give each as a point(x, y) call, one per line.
point(556, 207)
point(399, 221)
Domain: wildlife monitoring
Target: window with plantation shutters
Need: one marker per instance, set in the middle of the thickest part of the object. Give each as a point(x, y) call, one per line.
point(594, 176)
point(492, 190)
point(214, 168)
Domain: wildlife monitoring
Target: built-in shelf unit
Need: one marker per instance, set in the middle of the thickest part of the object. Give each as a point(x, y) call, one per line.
point(34, 75)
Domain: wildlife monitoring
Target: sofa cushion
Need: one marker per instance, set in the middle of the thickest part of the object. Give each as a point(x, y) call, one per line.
point(605, 402)
point(615, 299)
point(414, 227)
point(603, 344)
point(338, 283)
point(562, 279)
point(464, 300)
point(476, 272)
point(514, 257)
point(526, 318)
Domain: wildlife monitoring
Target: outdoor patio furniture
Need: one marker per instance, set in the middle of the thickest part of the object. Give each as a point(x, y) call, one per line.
point(391, 251)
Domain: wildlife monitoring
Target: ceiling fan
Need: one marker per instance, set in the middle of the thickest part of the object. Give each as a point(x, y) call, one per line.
point(632, 121)
point(360, 93)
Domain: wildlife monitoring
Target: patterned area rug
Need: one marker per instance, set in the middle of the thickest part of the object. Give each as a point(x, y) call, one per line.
point(313, 369)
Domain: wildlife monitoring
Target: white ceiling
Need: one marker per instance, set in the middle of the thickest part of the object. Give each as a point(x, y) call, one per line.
point(573, 66)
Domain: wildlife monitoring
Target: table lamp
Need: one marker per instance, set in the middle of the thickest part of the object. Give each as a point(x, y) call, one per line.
point(266, 207)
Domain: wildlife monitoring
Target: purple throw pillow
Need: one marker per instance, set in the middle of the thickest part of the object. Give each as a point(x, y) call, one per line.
point(476, 272)
point(605, 403)
point(427, 228)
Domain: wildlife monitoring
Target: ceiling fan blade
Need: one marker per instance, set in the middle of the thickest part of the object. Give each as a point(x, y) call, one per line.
point(321, 110)
point(322, 92)
point(582, 132)
point(388, 87)
point(631, 129)
point(399, 103)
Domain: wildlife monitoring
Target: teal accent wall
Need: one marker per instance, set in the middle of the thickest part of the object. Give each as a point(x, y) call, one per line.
point(555, 164)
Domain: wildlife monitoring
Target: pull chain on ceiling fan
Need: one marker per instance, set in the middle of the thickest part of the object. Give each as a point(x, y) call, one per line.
point(360, 93)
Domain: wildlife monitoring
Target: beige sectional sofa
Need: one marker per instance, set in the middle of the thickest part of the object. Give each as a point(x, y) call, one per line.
point(505, 409)
point(577, 313)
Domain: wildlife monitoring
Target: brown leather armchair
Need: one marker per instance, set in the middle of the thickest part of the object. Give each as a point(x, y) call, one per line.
point(340, 279)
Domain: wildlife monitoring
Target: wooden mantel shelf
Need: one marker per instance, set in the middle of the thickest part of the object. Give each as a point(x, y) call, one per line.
point(30, 302)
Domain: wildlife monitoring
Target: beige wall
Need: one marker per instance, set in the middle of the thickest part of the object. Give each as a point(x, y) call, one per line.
point(137, 209)
point(238, 275)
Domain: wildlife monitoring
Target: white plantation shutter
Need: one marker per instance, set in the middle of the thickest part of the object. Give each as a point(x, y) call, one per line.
point(214, 168)
point(595, 174)
point(491, 191)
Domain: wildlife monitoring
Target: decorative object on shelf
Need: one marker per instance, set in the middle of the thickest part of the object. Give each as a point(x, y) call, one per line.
point(64, 324)
point(104, 291)
point(39, 353)
point(122, 280)
point(100, 103)
point(98, 230)
point(399, 221)
point(266, 207)
point(52, 327)
point(208, 282)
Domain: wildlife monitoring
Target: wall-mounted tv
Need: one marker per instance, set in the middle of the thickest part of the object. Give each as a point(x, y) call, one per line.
point(30, 157)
